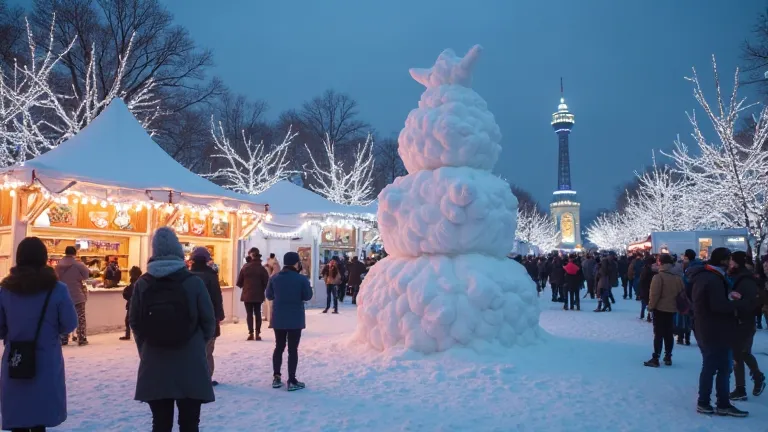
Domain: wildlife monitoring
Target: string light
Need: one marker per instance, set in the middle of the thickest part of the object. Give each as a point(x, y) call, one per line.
point(353, 186)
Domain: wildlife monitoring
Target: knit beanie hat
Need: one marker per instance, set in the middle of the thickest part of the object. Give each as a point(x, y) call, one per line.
point(165, 243)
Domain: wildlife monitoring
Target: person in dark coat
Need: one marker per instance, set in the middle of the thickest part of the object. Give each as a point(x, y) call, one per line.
point(715, 325)
point(644, 286)
point(603, 285)
point(543, 272)
point(200, 257)
point(169, 376)
point(134, 274)
point(746, 284)
point(574, 279)
point(356, 269)
point(588, 267)
point(623, 264)
point(253, 279)
point(533, 270)
point(556, 280)
point(288, 290)
point(40, 402)
point(638, 264)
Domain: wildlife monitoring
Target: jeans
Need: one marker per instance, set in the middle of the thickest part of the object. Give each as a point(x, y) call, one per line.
point(543, 281)
point(555, 291)
point(209, 347)
point(630, 287)
point(253, 311)
point(643, 305)
point(683, 326)
point(292, 337)
point(162, 415)
point(575, 299)
point(332, 290)
point(663, 331)
point(743, 356)
point(714, 364)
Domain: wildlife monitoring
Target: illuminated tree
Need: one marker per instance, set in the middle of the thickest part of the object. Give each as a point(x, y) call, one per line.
point(349, 186)
point(536, 228)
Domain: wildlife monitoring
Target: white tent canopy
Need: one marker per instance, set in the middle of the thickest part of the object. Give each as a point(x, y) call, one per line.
point(115, 156)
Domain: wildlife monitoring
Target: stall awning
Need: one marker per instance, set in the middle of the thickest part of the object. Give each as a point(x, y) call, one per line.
point(114, 155)
point(286, 198)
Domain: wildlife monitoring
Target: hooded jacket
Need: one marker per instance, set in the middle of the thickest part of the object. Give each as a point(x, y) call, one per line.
point(574, 277)
point(73, 273)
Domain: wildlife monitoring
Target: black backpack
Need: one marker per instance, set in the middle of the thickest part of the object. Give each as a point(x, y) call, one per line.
point(165, 317)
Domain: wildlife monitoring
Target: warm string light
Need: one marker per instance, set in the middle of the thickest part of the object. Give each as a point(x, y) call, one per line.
point(537, 229)
point(256, 172)
point(353, 186)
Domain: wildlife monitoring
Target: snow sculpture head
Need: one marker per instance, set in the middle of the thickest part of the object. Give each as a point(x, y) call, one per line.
point(452, 125)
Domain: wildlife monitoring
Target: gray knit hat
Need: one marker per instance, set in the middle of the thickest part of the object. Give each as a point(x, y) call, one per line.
point(165, 243)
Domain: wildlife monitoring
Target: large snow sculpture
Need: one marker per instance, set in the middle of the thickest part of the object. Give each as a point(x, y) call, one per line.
point(448, 226)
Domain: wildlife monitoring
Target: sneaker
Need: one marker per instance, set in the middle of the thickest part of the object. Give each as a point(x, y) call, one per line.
point(277, 382)
point(668, 360)
point(738, 394)
point(82, 342)
point(250, 337)
point(653, 362)
point(295, 385)
point(214, 383)
point(759, 385)
point(704, 409)
point(125, 338)
point(730, 411)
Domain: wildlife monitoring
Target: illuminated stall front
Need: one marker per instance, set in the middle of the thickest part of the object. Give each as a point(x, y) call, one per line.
point(104, 191)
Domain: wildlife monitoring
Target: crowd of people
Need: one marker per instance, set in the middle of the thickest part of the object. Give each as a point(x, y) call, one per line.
point(722, 301)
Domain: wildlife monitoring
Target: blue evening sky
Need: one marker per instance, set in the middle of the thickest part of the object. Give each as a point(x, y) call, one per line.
point(623, 63)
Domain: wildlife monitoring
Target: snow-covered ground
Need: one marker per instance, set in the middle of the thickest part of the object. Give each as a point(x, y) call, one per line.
point(587, 376)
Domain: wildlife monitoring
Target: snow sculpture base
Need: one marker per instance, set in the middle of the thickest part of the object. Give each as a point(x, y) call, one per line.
point(448, 211)
point(433, 303)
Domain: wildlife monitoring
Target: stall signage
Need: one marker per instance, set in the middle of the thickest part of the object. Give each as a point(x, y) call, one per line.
point(735, 240)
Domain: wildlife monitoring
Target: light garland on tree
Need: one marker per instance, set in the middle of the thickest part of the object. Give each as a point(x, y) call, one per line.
point(536, 229)
point(35, 119)
point(353, 186)
point(257, 170)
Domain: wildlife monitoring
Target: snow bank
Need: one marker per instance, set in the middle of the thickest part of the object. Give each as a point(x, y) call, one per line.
point(451, 127)
point(433, 303)
point(448, 211)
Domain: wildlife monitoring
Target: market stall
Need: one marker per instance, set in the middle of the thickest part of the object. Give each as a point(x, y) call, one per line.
point(305, 222)
point(104, 191)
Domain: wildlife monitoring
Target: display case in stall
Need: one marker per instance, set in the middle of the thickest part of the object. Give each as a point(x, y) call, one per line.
point(337, 241)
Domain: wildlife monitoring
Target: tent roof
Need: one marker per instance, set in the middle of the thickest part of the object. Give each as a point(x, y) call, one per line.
point(286, 198)
point(115, 151)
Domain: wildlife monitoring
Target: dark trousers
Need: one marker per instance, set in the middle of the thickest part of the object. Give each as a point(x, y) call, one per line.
point(292, 337)
point(127, 324)
point(683, 325)
point(253, 311)
point(573, 293)
point(610, 295)
point(591, 287)
point(643, 305)
point(555, 290)
point(162, 415)
point(605, 296)
point(341, 290)
point(32, 429)
point(627, 288)
point(663, 331)
point(332, 290)
point(355, 290)
point(630, 287)
point(743, 356)
point(715, 364)
point(543, 281)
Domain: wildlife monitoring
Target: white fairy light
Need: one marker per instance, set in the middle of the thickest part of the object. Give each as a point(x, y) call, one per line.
point(353, 186)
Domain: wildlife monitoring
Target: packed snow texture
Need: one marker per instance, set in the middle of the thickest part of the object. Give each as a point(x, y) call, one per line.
point(451, 127)
point(448, 211)
point(432, 303)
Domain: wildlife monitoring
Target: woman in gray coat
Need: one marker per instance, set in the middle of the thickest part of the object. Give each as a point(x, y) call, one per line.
point(168, 373)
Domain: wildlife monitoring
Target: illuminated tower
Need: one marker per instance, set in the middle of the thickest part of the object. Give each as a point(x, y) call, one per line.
point(565, 207)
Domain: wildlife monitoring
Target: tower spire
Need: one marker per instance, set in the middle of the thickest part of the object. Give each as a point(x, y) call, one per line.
point(561, 87)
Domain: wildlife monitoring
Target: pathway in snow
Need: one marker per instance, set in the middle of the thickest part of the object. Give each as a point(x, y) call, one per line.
point(588, 376)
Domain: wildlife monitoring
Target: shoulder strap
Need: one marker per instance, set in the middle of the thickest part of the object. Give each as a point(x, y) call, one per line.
point(42, 314)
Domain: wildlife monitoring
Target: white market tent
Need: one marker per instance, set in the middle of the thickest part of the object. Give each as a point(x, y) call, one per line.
point(114, 155)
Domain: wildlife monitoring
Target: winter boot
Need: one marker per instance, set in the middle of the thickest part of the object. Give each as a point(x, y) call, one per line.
point(325, 310)
point(250, 337)
point(759, 385)
point(704, 409)
point(258, 338)
point(335, 311)
point(277, 381)
point(125, 338)
point(680, 340)
point(82, 342)
point(738, 394)
point(295, 385)
point(730, 411)
point(653, 362)
point(214, 383)
point(668, 359)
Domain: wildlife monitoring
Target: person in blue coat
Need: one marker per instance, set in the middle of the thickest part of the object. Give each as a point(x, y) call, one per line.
point(288, 291)
point(41, 402)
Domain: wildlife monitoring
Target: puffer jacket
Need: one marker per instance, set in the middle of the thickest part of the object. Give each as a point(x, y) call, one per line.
point(665, 286)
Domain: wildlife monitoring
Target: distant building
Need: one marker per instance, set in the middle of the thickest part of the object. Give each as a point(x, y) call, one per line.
point(565, 208)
